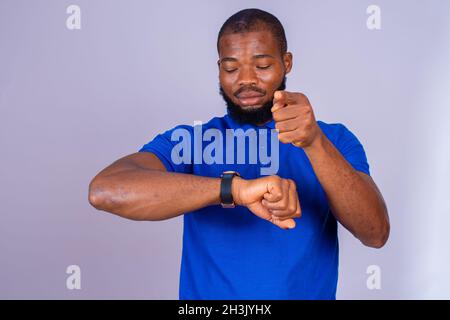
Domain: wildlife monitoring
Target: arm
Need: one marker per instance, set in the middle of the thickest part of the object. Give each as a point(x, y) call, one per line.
point(138, 187)
point(354, 198)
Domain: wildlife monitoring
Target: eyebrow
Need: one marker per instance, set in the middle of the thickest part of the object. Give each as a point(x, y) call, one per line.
point(257, 56)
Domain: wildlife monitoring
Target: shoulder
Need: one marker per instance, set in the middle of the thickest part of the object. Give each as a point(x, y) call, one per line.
point(338, 133)
point(333, 131)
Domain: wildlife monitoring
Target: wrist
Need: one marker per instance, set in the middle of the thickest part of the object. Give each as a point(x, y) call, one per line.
point(236, 187)
point(317, 143)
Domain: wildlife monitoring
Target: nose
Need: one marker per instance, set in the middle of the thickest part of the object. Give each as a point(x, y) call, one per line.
point(247, 77)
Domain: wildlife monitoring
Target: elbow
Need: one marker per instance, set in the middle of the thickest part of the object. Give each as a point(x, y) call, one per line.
point(104, 195)
point(379, 236)
point(95, 199)
point(100, 196)
point(95, 195)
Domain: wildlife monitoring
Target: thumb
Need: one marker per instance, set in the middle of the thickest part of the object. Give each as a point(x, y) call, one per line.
point(261, 211)
point(283, 224)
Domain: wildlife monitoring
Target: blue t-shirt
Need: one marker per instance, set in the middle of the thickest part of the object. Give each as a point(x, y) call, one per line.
point(232, 253)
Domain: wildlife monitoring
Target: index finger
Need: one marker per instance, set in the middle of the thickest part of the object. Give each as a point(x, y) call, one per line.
point(282, 95)
point(281, 99)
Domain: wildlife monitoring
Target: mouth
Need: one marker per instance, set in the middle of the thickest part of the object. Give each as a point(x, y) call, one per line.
point(251, 98)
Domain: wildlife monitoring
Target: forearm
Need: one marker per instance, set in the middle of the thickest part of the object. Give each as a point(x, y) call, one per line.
point(354, 200)
point(142, 194)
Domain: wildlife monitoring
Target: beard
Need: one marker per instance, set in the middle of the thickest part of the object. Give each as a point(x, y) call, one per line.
point(250, 115)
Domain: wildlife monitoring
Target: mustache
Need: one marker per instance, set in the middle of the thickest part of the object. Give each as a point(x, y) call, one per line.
point(249, 88)
point(254, 116)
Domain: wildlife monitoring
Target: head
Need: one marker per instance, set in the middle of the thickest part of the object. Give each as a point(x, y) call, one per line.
point(253, 64)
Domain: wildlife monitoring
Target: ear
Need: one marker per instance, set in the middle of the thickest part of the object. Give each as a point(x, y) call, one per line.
point(287, 60)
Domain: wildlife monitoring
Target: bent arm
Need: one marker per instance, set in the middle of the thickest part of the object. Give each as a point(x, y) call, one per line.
point(138, 187)
point(354, 197)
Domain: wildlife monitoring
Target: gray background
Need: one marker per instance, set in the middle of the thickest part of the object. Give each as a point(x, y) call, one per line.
point(73, 101)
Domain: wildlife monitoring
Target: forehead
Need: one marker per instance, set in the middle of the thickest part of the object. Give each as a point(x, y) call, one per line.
point(248, 44)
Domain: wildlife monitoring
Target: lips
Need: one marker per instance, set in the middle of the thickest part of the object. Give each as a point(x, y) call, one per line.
point(250, 98)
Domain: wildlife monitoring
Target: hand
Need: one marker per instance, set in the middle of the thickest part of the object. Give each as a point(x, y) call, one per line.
point(272, 198)
point(294, 119)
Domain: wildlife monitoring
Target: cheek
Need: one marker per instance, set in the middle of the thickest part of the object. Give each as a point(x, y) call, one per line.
point(268, 78)
point(272, 79)
point(224, 83)
point(227, 85)
point(226, 80)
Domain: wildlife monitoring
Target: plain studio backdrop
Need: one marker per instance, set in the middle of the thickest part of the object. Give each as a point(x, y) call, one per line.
point(73, 101)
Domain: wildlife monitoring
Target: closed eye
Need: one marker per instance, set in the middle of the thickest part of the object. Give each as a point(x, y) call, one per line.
point(264, 67)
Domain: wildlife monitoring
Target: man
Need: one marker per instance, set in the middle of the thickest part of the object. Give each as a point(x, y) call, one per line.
point(243, 234)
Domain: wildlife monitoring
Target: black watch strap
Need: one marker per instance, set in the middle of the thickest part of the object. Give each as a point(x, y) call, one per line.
point(226, 197)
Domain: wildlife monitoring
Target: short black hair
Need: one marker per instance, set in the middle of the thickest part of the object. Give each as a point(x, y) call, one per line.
point(248, 20)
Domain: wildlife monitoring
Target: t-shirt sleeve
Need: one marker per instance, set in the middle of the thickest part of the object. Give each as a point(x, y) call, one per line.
point(163, 147)
point(352, 150)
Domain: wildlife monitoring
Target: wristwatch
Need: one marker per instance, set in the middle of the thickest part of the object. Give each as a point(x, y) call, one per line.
point(226, 198)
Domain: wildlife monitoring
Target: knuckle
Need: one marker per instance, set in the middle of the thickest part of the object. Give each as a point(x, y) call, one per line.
point(276, 116)
point(273, 178)
point(276, 179)
point(301, 135)
point(308, 123)
point(283, 138)
point(279, 126)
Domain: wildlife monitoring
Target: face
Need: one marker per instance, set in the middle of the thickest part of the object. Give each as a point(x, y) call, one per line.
point(251, 69)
